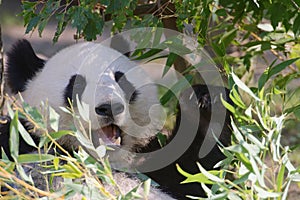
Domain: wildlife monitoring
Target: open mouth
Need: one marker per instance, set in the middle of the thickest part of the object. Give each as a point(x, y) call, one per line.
point(111, 135)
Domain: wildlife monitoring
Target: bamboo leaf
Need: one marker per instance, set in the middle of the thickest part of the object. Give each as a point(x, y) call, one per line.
point(176, 88)
point(211, 175)
point(83, 109)
point(280, 178)
point(33, 158)
point(147, 186)
point(148, 54)
point(171, 59)
point(54, 119)
point(227, 105)
point(23, 174)
point(14, 137)
point(242, 85)
point(25, 135)
point(192, 178)
point(271, 71)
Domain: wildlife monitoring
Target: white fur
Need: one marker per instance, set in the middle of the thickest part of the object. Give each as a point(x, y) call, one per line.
point(97, 64)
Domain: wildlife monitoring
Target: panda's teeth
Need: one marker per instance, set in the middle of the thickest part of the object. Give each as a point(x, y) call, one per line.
point(118, 141)
point(111, 135)
point(117, 135)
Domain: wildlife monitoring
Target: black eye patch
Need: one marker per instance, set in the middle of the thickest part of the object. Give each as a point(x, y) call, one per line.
point(129, 90)
point(76, 85)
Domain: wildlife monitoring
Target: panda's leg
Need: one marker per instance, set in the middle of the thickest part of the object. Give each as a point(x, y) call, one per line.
point(24, 148)
point(168, 177)
point(4, 135)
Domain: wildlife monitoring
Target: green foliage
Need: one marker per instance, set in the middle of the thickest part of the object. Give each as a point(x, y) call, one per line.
point(249, 27)
point(87, 18)
point(203, 177)
point(183, 83)
point(262, 168)
point(258, 161)
point(64, 176)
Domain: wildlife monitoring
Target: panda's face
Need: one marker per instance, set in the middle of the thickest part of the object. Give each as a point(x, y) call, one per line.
point(124, 109)
point(123, 105)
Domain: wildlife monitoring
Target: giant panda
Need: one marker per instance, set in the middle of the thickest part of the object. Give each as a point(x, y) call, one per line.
point(118, 93)
point(124, 109)
point(119, 96)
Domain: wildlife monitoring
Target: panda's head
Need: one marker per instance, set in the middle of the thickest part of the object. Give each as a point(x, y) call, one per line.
point(123, 104)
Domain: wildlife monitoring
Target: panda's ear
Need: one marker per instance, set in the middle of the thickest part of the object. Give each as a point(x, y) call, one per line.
point(22, 65)
point(76, 86)
point(120, 44)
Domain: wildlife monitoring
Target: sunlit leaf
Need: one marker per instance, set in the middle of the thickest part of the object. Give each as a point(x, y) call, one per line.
point(271, 71)
point(147, 187)
point(32, 158)
point(242, 85)
point(212, 175)
point(280, 178)
point(191, 178)
point(262, 193)
point(14, 137)
point(54, 119)
point(83, 109)
point(227, 105)
point(101, 151)
point(25, 135)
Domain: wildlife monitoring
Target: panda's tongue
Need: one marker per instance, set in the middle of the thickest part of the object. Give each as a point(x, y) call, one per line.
point(111, 135)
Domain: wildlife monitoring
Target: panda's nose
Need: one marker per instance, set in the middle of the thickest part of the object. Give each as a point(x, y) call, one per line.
point(109, 110)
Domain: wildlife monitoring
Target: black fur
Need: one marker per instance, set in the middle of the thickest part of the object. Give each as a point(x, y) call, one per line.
point(24, 148)
point(131, 93)
point(22, 65)
point(168, 177)
point(76, 86)
point(120, 44)
point(5, 134)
